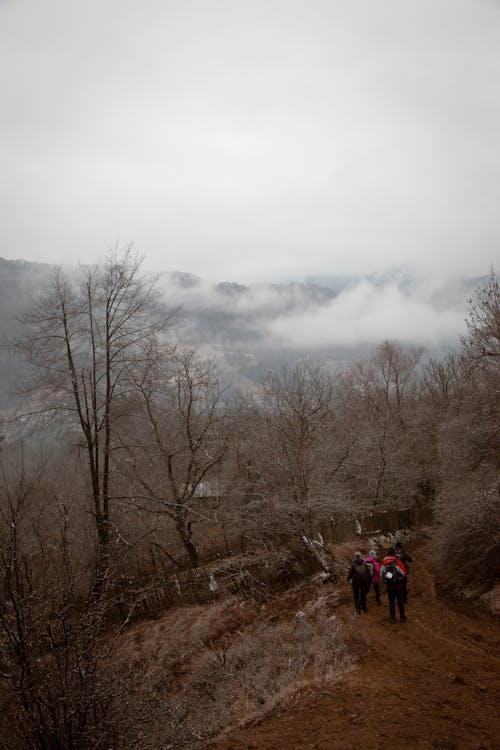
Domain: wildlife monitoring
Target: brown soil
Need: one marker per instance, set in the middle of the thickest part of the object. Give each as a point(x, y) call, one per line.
point(432, 682)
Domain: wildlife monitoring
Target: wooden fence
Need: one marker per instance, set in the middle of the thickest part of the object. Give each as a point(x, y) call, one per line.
point(259, 578)
point(255, 579)
point(343, 526)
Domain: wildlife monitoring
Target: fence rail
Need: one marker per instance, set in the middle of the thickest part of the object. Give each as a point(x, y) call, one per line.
point(343, 526)
point(258, 578)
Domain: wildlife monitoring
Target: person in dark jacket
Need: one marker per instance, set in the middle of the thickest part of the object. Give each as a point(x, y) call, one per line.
point(405, 558)
point(359, 575)
point(392, 573)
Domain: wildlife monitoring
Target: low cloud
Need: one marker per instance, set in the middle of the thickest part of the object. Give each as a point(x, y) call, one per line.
point(367, 314)
point(307, 317)
point(269, 300)
point(252, 329)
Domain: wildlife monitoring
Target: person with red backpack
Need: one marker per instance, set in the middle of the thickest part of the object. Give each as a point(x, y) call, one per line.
point(359, 575)
point(393, 573)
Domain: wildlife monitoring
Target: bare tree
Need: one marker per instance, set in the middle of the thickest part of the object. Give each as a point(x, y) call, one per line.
point(84, 343)
point(469, 432)
point(467, 384)
point(483, 322)
point(180, 440)
point(304, 448)
point(385, 380)
point(386, 464)
point(441, 382)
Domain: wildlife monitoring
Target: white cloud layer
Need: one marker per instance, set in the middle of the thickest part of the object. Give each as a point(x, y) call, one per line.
point(307, 318)
point(365, 315)
point(253, 141)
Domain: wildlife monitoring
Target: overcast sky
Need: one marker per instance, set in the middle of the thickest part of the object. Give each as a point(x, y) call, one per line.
point(253, 141)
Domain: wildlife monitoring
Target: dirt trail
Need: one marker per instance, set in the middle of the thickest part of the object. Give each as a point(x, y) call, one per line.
point(432, 682)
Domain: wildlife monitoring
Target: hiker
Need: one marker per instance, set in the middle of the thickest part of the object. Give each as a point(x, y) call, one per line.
point(359, 575)
point(392, 573)
point(371, 561)
point(406, 560)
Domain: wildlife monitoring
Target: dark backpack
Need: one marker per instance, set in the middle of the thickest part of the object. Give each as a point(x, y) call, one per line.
point(392, 574)
point(361, 574)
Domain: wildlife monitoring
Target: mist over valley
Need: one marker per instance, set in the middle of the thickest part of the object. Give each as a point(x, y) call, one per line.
point(251, 329)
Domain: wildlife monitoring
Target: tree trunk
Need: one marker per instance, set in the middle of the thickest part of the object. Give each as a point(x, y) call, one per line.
point(184, 530)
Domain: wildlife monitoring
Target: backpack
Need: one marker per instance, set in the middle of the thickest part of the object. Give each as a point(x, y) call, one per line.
point(405, 559)
point(369, 565)
point(392, 574)
point(361, 573)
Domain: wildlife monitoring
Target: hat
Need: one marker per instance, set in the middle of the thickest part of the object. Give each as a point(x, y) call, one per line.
point(372, 553)
point(358, 554)
point(391, 551)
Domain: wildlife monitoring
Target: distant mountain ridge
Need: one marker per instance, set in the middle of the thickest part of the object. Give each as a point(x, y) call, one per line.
point(251, 329)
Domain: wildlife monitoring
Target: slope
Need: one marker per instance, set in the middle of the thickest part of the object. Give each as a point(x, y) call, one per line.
point(432, 682)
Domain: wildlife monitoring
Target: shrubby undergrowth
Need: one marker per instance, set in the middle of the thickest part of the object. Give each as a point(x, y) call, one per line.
point(215, 668)
point(467, 535)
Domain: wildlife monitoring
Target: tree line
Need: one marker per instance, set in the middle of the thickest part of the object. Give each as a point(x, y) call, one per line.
point(146, 456)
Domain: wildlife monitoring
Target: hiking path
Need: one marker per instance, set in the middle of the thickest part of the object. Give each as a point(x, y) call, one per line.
point(432, 682)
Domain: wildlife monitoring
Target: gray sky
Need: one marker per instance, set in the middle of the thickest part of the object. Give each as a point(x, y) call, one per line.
point(247, 140)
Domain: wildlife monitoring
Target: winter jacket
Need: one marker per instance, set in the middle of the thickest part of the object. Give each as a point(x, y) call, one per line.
point(391, 559)
point(359, 574)
point(376, 568)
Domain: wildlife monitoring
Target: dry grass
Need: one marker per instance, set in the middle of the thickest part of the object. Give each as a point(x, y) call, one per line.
point(205, 670)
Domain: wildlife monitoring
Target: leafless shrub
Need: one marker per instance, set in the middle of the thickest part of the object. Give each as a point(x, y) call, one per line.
point(215, 668)
point(56, 688)
point(467, 537)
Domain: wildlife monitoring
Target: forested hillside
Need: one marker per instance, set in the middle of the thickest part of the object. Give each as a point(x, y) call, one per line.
point(133, 462)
